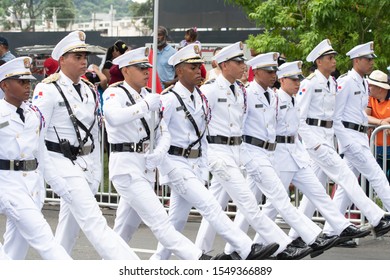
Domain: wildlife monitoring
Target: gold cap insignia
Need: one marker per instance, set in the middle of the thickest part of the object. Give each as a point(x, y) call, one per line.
point(146, 51)
point(372, 46)
point(26, 63)
point(299, 64)
point(328, 42)
point(81, 36)
point(241, 46)
point(275, 56)
point(196, 49)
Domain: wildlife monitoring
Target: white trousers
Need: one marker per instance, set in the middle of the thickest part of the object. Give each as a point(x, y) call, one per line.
point(199, 197)
point(84, 213)
point(30, 230)
point(141, 198)
point(371, 170)
point(278, 201)
point(237, 188)
point(343, 176)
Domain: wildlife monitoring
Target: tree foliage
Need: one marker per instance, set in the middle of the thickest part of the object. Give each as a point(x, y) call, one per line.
point(65, 11)
point(144, 10)
point(295, 27)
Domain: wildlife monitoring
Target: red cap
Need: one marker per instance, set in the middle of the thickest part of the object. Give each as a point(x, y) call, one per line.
point(51, 66)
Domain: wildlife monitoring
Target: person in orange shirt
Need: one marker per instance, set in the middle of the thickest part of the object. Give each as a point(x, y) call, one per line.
point(378, 112)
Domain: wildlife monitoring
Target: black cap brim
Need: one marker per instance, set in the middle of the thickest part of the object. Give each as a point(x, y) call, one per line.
point(238, 58)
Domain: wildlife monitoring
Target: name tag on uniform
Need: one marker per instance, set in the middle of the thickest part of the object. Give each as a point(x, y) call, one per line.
point(259, 105)
point(222, 99)
point(318, 90)
point(179, 108)
point(283, 107)
point(357, 92)
point(61, 104)
point(4, 124)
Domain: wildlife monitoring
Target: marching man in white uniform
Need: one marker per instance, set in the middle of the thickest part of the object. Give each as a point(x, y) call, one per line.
point(186, 112)
point(128, 109)
point(227, 101)
point(22, 168)
point(292, 161)
point(69, 106)
point(316, 105)
point(351, 126)
point(266, 127)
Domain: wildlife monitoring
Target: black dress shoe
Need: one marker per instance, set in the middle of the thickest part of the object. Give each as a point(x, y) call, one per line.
point(204, 257)
point(261, 252)
point(322, 244)
point(352, 232)
point(298, 243)
point(347, 244)
point(382, 228)
point(227, 257)
point(294, 253)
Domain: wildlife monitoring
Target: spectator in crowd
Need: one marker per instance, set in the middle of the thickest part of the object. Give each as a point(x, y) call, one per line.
point(5, 53)
point(190, 37)
point(50, 66)
point(213, 73)
point(164, 52)
point(378, 112)
point(110, 69)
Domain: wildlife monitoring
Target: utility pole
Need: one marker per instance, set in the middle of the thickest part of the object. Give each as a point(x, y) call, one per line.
point(54, 19)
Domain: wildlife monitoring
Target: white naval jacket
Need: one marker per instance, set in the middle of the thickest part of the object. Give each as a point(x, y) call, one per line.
point(227, 112)
point(289, 157)
point(23, 141)
point(316, 101)
point(183, 132)
point(351, 104)
point(49, 101)
point(123, 123)
point(259, 122)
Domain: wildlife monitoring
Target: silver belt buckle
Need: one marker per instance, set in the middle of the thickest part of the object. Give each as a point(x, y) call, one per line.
point(145, 147)
point(30, 165)
point(194, 154)
point(11, 165)
point(86, 150)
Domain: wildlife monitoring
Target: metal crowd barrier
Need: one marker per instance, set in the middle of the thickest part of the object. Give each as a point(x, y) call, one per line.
point(108, 197)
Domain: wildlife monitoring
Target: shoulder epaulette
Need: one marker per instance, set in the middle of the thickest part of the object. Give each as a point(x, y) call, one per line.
point(342, 76)
point(148, 89)
point(209, 81)
point(116, 84)
point(167, 89)
point(311, 76)
point(88, 82)
point(52, 78)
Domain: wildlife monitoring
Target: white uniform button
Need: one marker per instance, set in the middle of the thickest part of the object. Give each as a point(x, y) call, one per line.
point(231, 125)
point(24, 174)
point(17, 135)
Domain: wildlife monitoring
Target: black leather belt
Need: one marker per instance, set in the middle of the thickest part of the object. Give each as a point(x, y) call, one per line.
point(231, 141)
point(76, 151)
point(285, 139)
point(357, 127)
point(187, 153)
point(129, 147)
point(259, 143)
point(19, 165)
point(321, 123)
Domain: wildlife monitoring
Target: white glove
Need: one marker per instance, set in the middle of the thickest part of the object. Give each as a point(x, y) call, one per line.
point(253, 170)
point(325, 155)
point(219, 167)
point(356, 151)
point(153, 101)
point(177, 181)
point(61, 189)
point(153, 160)
point(8, 208)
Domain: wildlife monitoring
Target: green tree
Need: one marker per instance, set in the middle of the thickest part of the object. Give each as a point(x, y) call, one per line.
point(144, 11)
point(65, 12)
point(22, 13)
point(295, 27)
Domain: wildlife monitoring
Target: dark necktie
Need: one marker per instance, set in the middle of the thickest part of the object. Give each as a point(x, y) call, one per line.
point(20, 113)
point(364, 85)
point(328, 83)
point(266, 93)
point(77, 88)
point(293, 100)
point(232, 88)
point(192, 99)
